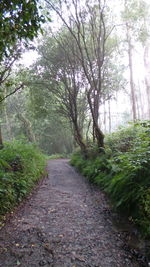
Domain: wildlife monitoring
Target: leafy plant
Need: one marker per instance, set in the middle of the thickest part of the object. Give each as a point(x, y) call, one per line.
point(123, 172)
point(21, 167)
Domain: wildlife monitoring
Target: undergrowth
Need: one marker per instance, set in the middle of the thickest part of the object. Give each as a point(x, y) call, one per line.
point(59, 156)
point(21, 166)
point(123, 171)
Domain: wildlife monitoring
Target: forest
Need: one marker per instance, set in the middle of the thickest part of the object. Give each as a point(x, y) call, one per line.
point(85, 95)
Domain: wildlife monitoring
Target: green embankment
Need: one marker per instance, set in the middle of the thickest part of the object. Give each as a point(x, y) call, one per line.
point(21, 166)
point(123, 172)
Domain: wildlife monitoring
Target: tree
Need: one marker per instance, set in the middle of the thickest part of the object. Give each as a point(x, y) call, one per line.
point(19, 20)
point(42, 108)
point(134, 15)
point(62, 75)
point(9, 85)
point(87, 23)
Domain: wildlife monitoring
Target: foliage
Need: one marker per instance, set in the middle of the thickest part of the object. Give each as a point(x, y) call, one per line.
point(58, 156)
point(18, 20)
point(36, 108)
point(123, 172)
point(122, 140)
point(21, 167)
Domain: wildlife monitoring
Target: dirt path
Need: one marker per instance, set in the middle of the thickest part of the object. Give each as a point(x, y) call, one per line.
point(66, 223)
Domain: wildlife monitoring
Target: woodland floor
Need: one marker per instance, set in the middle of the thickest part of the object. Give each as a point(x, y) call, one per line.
point(65, 223)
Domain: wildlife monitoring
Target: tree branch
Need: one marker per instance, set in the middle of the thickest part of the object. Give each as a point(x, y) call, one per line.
point(13, 92)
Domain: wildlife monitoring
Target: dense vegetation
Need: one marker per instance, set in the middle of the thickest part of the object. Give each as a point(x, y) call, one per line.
point(18, 21)
point(91, 75)
point(123, 171)
point(21, 166)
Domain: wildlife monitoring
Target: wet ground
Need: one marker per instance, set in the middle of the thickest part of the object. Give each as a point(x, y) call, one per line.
point(66, 223)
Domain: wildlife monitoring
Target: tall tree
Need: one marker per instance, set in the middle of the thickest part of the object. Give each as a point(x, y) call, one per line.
point(127, 17)
point(86, 23)
point(134, 16)
point(63, 76)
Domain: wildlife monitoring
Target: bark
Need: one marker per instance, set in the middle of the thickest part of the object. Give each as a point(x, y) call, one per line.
point(97, 131)
point(79, 140)
point(1, 139)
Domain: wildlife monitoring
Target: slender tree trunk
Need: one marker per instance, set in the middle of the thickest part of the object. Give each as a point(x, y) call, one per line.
point(132, 87)
point(93, 133)
point(87, 131)
point(148, 95)
point(8, 124)
point(109, 111)
point(1, 139)
point(141, 101)
point(97, 131)
point(147, 78)
point(138, 108)
point(105, 118)
point(79, 140)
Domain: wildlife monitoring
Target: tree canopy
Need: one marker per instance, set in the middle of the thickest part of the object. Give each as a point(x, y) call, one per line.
point(19, 20)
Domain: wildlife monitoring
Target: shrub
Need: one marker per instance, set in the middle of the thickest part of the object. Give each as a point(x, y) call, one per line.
point(123, 171)
point(21, 166)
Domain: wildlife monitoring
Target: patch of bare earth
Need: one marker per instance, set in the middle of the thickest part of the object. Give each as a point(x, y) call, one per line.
point(66, 223)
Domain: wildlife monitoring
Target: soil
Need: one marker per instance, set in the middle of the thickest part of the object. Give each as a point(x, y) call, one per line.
point(65, 223)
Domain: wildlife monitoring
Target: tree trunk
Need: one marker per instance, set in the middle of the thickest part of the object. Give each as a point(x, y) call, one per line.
point(132, 87)
point(147, 78)
point(137, 107)
point(79, 140)
point(148, 95)
point(87, 131)
point(8, 124)
point(141, 101)
point(109, 111)
point(94, 112)
point(99, 136)
point(27, 128)
point(1, 139)
point(105, 118)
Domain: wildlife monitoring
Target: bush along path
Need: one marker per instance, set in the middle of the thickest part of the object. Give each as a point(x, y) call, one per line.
point(21, 167)
point(66, 223)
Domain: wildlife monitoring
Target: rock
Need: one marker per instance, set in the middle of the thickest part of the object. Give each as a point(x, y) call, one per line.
point(42, 262)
